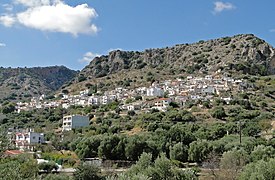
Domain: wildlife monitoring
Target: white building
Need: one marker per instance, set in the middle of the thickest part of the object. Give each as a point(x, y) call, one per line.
point(74, 122)
point(208, 90)
point(208, 78)
point(163, 102)
point(134, 106)
point(27, 139)
point(94, 100)
point(155, 91)
point(84, 93)
point(105, 99)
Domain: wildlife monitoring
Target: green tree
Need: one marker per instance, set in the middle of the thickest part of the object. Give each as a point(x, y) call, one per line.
point(161, 169)
point(262, 152)
point(198, 151)
point(8, 108)
point(87, 147)
point(112, 148)
point(263, 170)
point(87, 172)
point(19, 167)
point(179, 152)
point(135, 147)
point(4, 142)
point(232, 163)
point(29, 168)
point(48, 166)
point(143, 163)
point(9, 171)
point(219, 113)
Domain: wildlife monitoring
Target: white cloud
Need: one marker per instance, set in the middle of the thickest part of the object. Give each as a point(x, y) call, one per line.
point(54, 16)
point(7, 20)
point(32, 3)
point(272, 30)
point(2, 45)
point(222, 6)
point(88, 57)
point(8, 7)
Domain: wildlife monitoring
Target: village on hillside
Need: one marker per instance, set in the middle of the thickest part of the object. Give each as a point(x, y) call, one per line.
point(158, 96)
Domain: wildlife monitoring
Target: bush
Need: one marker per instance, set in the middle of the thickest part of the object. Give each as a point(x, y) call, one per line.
point(219, 113)
point(198, 151)
point(48, 166)
point(179, 152)
point(259, 170)
point(87, 172)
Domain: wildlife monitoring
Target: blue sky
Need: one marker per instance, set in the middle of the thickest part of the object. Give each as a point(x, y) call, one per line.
point(71, 33)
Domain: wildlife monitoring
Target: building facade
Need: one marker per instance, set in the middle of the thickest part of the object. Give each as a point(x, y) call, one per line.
point(74, 121)
point(155, 91)
point(27, 139)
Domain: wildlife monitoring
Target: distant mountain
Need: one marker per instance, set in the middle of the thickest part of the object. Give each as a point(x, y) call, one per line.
point(237, 55)
point(23, 83)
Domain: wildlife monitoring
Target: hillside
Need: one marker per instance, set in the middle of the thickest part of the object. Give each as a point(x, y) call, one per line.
point(237, 55)
point(22, 83)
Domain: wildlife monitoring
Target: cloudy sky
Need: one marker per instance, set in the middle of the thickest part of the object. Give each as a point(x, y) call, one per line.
point(73, 32)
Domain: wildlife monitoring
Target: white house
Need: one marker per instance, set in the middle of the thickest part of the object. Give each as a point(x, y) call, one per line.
point(162, 102)
point(134, 106)
point(65, 105)
point(208, 78)
point(208, 90)
point(84, 93)
point(94, 100)
point(105, 99)
point(155, 91)
point(74, 121)
point(27, 139)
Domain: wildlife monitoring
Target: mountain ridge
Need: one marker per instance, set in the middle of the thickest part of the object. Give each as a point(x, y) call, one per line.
point(23, 83)
point(236, 55)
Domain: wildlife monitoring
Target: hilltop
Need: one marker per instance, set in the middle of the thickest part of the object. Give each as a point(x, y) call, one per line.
point(23, 83)
point(236, 56)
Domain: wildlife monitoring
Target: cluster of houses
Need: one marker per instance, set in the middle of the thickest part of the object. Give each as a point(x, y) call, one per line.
point(27, 139)
point(179, 91)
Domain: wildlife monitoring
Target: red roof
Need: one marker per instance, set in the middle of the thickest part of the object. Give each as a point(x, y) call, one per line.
point(162, 99)
point(13, 152)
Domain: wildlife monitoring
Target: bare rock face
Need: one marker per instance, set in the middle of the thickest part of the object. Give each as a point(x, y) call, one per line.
point(240, 54)
point(272, 65)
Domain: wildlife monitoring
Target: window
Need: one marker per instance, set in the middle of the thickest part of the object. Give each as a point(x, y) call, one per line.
point(33, 137)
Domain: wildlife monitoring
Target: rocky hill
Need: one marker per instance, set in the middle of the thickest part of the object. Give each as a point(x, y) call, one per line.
point(237, 55)
point(23, 83)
